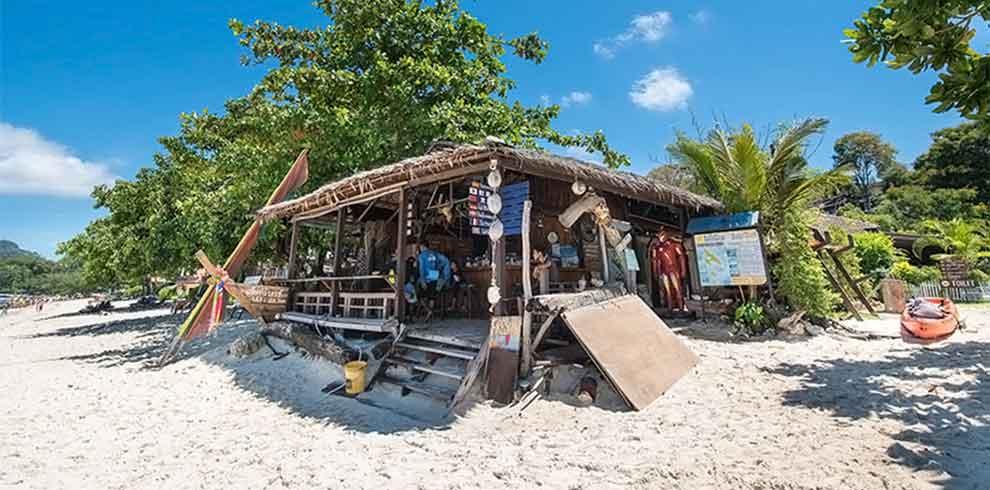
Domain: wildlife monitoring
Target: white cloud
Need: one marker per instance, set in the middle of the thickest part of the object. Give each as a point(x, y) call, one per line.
point(575, 98)
point(30, 164)
point(545, 100)
point(601, 49)
point(701, 17)
point(663, 89)
point(648, 28)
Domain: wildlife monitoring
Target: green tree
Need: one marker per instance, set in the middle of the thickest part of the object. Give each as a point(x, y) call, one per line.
point(379, 83)
point(732, 167)
point(958, 158)
point(909, 206)
point(958, 238)
point(674, 174)
point(930, 36)
point(870, 158)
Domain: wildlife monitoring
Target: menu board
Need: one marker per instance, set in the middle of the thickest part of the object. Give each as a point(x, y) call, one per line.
point(730, 258)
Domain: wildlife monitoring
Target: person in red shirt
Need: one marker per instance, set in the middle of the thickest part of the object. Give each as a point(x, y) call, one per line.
point(670, 264)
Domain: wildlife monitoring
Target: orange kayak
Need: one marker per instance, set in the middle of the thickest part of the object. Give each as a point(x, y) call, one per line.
point(922, 330)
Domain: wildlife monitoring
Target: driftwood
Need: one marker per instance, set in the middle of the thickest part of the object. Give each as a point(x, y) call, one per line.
point(306, 339)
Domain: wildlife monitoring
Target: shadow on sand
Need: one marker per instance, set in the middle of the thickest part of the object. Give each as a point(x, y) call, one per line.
point(293, 382)
point(943, 398)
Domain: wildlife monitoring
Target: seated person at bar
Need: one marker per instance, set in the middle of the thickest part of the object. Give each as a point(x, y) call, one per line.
point(434, 269)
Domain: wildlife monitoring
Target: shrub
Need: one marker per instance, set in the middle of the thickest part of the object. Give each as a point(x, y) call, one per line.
point(914, 275)
point(876, 253)
point(133, 291)
point(799, 274)
point(750, 319)
point(167, 293)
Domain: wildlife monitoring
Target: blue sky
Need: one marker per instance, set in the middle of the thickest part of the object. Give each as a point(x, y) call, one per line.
point(88, 87)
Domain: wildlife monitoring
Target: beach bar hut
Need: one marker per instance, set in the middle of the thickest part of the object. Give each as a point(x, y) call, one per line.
point(474, 249)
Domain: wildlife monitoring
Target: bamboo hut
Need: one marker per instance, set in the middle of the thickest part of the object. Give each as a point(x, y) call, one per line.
point(527, 233)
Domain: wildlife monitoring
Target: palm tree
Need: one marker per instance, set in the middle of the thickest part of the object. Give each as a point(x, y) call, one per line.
point(777, 182)
point(733, 168)
point(958, 239)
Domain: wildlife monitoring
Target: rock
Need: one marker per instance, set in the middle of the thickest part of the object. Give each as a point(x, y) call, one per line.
point(813, 330)
point(792, 325)
point(245, 346)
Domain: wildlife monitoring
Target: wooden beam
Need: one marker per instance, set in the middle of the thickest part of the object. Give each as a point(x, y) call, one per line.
point(364, 213)
point(400, 258)
point(542, 332)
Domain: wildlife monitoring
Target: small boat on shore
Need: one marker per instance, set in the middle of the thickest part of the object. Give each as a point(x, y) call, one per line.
point(929, 320)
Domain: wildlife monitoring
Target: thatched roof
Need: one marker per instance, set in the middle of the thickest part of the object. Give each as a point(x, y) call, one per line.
point(439, 164)
point(825, 222)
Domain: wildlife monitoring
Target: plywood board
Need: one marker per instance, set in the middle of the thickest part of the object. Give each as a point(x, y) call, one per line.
point(636, 351)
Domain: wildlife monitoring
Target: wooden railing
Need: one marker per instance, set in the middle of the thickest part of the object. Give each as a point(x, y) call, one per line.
point(348, 304)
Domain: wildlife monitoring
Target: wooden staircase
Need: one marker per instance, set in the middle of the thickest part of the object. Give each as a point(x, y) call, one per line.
point(433, 368)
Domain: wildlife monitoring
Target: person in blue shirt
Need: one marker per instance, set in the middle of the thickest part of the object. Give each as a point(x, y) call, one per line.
point(434, 269)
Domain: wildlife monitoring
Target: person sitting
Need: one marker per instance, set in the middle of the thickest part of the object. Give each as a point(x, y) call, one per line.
point(434, 269)
point(434, 277)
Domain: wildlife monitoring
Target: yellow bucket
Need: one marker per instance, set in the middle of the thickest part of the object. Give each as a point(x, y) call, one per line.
point(354, 377)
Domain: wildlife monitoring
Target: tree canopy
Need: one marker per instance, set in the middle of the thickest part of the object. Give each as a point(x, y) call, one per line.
point(870, 158)
point(930, 36)
point(380, 82)
point(958, 158)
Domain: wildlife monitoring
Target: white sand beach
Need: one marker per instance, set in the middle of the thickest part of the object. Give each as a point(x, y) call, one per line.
point(80, 410)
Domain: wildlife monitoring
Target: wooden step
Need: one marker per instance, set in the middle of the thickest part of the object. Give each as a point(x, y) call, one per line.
point(455, 353)
point(423, 368)
point(419, 387)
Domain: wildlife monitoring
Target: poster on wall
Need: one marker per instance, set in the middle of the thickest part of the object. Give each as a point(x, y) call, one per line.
point(732, 257)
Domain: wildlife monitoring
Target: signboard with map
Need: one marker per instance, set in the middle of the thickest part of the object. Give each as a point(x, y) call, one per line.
point(730, 258)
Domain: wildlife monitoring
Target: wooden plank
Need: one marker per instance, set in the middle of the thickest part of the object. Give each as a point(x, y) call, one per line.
point(457, 354)
point(503, 358)
point(633, 348)
point(835, 285)
point(473, 370)
point(415, 366)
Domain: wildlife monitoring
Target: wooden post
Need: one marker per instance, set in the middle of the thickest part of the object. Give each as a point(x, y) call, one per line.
point(601, 243)
point(400, 258)
point(527, 320)
point(293, 246)
point(335, 285)
point(291, 267)
point(499, 261)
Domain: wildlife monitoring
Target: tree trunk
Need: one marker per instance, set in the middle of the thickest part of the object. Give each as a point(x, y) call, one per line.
point(305, 338)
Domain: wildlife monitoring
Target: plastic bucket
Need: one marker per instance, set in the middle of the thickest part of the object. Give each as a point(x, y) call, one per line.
point(354, 377)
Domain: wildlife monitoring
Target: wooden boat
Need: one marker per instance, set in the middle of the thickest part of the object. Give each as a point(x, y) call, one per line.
point(915, 329)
